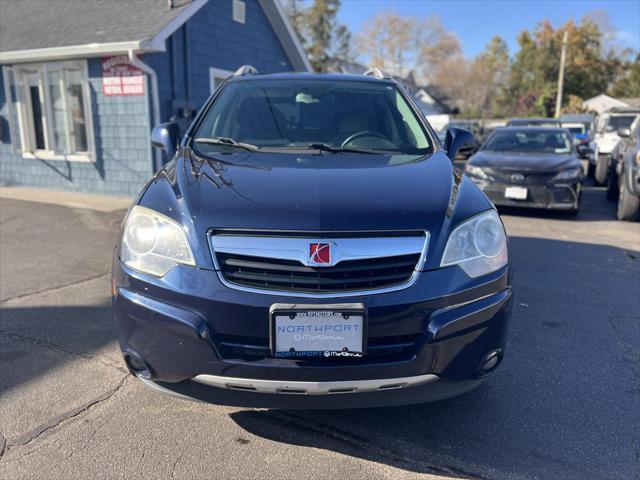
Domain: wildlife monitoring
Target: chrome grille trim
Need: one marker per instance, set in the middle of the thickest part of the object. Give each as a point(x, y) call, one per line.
point(296, 248)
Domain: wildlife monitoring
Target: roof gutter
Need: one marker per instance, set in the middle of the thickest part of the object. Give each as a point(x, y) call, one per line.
point(70, 52)
point(155, 100)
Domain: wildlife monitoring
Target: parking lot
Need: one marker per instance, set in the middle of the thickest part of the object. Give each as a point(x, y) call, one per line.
point(564, 404)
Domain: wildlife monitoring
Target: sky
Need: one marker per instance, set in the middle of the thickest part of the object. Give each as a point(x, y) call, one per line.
point(476, 22)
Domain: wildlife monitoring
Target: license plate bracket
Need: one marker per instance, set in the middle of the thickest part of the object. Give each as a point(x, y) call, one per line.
point(325, 330)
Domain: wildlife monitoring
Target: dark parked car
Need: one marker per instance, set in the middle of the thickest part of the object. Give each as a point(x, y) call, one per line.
point(581, 127)
point(310, 245)
point(534, 122)
point(626, 176)
point(529, 167)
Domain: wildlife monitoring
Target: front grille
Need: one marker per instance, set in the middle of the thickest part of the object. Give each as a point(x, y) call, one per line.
point(291, 275)
point(398, 347)
point(530, 178)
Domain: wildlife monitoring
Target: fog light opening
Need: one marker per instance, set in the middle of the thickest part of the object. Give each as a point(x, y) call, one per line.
point(489, 363)
point(137, 366)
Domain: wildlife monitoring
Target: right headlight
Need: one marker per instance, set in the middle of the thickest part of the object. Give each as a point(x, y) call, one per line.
point(478, 245)
point(153, 243)
point(571, 174)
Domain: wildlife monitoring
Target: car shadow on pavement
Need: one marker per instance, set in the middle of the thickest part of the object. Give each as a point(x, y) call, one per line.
point(564, 404)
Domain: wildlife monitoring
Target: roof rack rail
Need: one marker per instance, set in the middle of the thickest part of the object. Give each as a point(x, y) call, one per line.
point(245, 70)
point(377, 73)
point(628, 109)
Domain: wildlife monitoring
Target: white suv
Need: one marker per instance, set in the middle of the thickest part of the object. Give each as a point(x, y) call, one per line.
point(607, 138)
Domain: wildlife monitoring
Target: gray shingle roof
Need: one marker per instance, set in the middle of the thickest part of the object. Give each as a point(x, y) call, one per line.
point(35, 24)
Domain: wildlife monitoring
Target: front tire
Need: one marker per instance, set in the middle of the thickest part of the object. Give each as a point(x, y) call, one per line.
point(612, 184)
point(601, 169)
point(628, 204)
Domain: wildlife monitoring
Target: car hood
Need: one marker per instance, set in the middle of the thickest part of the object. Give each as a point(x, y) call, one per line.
point(319, 192)
point(524, 162)
point(315, 193)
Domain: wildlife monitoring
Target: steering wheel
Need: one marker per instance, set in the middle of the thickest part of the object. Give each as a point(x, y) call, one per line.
point(364, 133)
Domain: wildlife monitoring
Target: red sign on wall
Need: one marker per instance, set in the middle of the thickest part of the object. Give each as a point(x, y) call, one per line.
point(120, 78)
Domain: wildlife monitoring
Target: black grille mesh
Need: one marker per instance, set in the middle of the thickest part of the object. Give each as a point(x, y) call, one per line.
point(290, 275)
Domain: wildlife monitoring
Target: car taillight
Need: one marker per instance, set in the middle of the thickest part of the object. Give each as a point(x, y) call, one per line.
point(638, 157)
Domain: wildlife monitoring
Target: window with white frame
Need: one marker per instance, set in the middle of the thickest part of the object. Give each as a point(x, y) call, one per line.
point(50, 113)
point(239, 11)
point(216, 77)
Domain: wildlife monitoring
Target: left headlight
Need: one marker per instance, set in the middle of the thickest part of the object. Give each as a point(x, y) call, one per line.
point(475, 171)
point(153, 243)
point(570, 174)
point(478, 246)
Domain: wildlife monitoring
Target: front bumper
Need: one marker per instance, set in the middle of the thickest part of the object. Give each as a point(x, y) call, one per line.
point(432, 391)
point(201, 339)
point(551, 196)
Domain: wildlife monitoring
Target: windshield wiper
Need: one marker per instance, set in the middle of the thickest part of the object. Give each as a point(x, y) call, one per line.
point(328, 148)
point(226, 141)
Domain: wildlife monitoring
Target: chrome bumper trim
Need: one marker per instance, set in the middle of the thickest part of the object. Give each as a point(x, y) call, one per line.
point(155, 386)
point(313, 388)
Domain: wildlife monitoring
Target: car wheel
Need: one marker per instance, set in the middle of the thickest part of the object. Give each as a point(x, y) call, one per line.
point(612, 184)
point(628, 204)
point(601, 169)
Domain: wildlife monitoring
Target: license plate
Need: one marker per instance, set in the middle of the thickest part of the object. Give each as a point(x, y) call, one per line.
point(517, 193)
point(298, 332)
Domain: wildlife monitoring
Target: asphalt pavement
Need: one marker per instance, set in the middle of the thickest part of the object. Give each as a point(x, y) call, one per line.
point(564, 404)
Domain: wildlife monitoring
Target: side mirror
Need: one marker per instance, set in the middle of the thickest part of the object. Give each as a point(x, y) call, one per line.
point(456, 139)
point(584, 150)
point(166, 136)
point(624, 132)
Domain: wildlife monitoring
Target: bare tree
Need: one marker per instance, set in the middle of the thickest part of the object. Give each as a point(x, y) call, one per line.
point(390, 41)
point(439, 47)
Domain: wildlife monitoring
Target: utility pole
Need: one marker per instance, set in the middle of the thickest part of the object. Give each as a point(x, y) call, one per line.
point(563, 56)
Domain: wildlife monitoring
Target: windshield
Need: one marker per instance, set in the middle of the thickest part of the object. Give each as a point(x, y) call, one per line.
point(534, 141)
point(618, 122)
point(303, 113)
point(575, 130)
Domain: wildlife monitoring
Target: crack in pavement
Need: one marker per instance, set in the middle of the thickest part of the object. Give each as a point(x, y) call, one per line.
point(64, 418)
point(175, 464)
point(59, 349)
point(54, 288)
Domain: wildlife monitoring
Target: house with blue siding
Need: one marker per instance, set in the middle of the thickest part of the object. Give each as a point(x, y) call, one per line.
point(84, 81)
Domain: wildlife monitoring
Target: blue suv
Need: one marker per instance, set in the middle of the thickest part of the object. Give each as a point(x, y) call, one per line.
point(311, 245)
